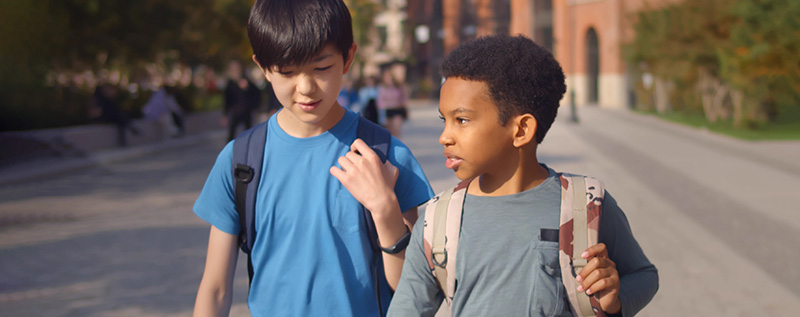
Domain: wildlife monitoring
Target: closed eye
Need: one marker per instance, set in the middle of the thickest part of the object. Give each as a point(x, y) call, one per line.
point(323, 68)
point(441, 118)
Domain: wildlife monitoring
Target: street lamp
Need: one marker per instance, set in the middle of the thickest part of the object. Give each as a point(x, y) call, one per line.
point(573, 108)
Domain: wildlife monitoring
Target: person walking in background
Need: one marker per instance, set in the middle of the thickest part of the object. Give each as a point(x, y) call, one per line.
point(348, 96)
point(368, 97)
point(273, 105)
point(241, 99)
point(106, 107)
point(392, 99)
point(164, 108)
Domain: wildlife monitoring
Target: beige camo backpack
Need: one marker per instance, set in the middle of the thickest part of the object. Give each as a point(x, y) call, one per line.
point(581, 207)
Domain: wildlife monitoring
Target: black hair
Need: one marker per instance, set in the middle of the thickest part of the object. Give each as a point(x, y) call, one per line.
point(291, 32)
point(522, 77)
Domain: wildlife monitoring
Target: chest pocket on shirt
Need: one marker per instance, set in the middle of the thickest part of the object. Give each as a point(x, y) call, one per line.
point(346, 213)
point(548, 292)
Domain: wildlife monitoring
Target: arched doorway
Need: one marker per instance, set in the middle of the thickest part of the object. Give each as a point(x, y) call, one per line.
point(592, 66)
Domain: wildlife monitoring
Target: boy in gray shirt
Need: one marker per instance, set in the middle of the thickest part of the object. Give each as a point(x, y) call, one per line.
point(500, 97)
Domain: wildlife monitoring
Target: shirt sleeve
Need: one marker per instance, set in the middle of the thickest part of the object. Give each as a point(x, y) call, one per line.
point(216, 203)
point(418, 293)
point(412, 187)
point(638, 277)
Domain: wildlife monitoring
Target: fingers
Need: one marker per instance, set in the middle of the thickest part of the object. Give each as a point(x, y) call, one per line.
point(338, 173)
point(594, 275)
point(347, 162)
point(594, 264)
point(600, 279)
point(362, 148)
point(598, 250)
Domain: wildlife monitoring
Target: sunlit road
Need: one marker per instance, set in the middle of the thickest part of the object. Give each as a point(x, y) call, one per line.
point(713, 215)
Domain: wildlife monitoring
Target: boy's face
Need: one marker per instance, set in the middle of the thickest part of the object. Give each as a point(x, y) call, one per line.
point(308, 91)
point(475, 143)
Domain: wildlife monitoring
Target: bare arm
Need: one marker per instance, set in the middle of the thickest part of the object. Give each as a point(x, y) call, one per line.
point(372, 184)
point(387, 236)
point(216, 288)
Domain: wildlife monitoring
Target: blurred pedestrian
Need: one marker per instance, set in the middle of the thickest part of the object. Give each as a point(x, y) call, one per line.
point(105, 101)
point(348, 96)
point(242, 97)
point(368, 97)
point(163, 107)
point(392, 98)
point(272, 103)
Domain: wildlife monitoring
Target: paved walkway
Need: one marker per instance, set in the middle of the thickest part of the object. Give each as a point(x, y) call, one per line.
point(118, 237)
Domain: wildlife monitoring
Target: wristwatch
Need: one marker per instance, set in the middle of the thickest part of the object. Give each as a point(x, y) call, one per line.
point(400, 245)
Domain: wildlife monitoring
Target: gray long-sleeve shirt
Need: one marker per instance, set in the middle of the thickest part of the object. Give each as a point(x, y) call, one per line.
point(503, 268)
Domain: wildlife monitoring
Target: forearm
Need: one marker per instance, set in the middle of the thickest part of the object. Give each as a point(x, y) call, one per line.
point(391, 226)
point(212, 301)
point(418, 293)
point(216, 288)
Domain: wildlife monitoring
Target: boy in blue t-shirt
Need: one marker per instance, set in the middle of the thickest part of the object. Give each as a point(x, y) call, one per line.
point(311, 256)
point(500, 96)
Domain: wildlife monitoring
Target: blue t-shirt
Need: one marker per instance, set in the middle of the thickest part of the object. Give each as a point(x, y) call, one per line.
point(311, 256)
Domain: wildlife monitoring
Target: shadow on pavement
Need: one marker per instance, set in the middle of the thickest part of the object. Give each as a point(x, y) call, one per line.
point(103, 273)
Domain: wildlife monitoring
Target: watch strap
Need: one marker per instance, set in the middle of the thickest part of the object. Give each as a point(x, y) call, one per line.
point(400, 245)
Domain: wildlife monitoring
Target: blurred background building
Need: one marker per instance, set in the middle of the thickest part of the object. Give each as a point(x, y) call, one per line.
point(586, 37)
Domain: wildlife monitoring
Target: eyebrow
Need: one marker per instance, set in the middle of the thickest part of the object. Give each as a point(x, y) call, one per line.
point(321, 57)
point(459, 110)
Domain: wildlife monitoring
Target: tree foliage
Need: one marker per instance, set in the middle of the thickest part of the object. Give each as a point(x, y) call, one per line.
point(730, 59)
point(47, 37)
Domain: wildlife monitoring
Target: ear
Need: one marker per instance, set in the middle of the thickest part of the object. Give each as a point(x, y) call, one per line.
point(525, 126)
point(261, 68)
point(351, 55)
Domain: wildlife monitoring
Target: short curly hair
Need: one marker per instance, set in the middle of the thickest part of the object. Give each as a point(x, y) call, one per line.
point(522, 77)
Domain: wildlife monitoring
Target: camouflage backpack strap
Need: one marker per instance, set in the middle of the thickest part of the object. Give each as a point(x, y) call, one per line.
point(581, 208)
point(442, 228)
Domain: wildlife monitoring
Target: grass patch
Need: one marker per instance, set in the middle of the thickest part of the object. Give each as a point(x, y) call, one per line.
point(786, 127)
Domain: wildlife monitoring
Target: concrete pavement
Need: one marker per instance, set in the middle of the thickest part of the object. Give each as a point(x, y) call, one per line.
point(712, 213)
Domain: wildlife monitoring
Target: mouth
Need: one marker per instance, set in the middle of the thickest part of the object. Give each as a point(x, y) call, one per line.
point(451, 161)
point(308, 106)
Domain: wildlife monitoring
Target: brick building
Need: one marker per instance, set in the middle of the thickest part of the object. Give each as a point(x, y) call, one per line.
point(586, 37)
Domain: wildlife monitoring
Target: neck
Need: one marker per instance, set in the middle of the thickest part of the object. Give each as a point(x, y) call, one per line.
point(523, 173)
point(295, 127)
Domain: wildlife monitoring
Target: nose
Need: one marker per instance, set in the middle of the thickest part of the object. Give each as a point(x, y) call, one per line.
point(306, 84)
point(445, 139)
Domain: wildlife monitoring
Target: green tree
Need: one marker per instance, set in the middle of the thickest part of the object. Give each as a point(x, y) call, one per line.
point(678, 45)
point(43, 40)
point(363, 14)
point(764, 62)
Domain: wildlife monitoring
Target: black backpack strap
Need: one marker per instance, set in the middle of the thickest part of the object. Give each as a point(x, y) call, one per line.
point(248, 156)
point(375, 136)
point(379, 139)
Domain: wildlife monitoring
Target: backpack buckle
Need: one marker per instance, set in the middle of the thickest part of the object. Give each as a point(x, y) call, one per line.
point(243, 173)
point(437, 262)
